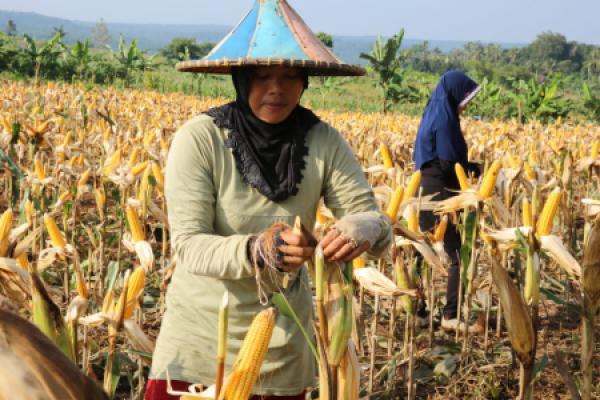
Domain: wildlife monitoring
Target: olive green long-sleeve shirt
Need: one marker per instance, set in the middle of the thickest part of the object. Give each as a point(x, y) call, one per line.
point(212, 215)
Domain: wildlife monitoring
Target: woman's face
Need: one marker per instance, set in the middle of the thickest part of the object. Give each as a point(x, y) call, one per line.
point(275, 92)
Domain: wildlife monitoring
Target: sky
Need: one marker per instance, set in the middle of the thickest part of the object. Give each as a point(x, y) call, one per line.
point(509, 21)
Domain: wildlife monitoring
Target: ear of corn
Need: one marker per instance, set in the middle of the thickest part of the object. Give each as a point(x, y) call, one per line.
point(591, 269)
point(413, 186)
point(489, 180)
point(394, 206)
point(546, 218)
point(403, 281)
point(412, 218)
point(246, 367)
point(527, 217)
point(440, 229)
point(386, 156)
point(56, 236)
point(139, 168)
point(40, 171)
point(135, 288)
point(532, 273)
point(46, 315)
point(518, 321)
point(463, 181)
point(5, 226)
point(134, 224)
point(342, 329)
point(595, 150)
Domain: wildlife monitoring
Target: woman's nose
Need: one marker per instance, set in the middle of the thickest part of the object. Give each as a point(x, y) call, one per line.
point(275, 85)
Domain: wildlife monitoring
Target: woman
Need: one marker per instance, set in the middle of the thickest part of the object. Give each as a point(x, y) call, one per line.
point(232, 174)
point(440, 144)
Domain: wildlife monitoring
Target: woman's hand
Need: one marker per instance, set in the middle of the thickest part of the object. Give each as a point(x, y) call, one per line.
point(296, 249)
point(338, 248)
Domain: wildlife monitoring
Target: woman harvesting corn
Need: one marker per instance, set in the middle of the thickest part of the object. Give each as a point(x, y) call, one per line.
point(439, 146)
point(236, 177)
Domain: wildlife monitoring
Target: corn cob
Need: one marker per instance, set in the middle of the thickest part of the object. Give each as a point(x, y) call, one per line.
point(440, 229)
point(56, 236)
point(39, 169)
point(462, 177)
point(139, 168)
point(158, 176)
point(134, 157)
point(134, 291)
point(527, 217)
point(386, 156)
point(134, 225)
point(394, 206)
point(84, 177)
point(247, 365)
point(489, 180)
point(412, 218)
point(518, 321)
point(403, 281)
point(5, 225)
point(595, 150)
point(413, 186)
point(546, 218)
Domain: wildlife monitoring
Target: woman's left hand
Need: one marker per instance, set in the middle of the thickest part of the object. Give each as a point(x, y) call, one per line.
point(338, 248)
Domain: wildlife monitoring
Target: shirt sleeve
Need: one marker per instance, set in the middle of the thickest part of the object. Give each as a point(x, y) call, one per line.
point(346, 190)
point(191, 196)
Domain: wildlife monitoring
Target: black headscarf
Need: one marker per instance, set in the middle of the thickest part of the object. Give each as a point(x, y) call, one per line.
point(269, 157)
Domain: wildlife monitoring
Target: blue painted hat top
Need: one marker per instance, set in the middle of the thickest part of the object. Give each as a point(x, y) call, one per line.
point(272, 33)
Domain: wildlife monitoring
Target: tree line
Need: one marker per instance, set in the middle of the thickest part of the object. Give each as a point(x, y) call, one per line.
point(547, 79)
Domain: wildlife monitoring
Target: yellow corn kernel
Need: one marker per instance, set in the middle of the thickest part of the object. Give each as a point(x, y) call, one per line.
point(440, 230)
point(386, 156)
point(546, 218)
point(413, 186)
point(134, 290)
point(489, 180)
point(56, 236)
point(247, 365)
point(134, 225)
point(527, 216)
point(462, 177)
point(394, 206)
point(321, 219)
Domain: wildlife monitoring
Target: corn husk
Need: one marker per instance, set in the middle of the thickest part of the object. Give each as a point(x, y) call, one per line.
point(518, 321)
point(33, 368)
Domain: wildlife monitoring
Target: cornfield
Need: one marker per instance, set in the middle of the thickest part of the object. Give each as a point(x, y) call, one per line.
point(84, 249)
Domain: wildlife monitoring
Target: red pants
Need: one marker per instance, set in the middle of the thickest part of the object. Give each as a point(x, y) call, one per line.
point(156, 389)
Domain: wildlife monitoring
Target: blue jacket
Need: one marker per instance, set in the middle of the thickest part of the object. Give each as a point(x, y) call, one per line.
point(439, 136)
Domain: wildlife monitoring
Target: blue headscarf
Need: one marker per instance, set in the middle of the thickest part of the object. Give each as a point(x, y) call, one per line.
point(439, 136)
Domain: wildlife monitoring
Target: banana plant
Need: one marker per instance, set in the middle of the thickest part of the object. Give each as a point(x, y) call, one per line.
point(49, 51)
point(385, 61)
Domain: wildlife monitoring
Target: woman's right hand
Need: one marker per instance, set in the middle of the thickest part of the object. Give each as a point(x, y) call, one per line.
point(296, 249)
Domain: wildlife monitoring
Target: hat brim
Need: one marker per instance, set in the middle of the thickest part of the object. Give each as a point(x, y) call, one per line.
point(318, 68)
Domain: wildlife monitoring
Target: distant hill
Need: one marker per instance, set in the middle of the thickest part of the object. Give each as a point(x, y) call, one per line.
point(152, 37)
